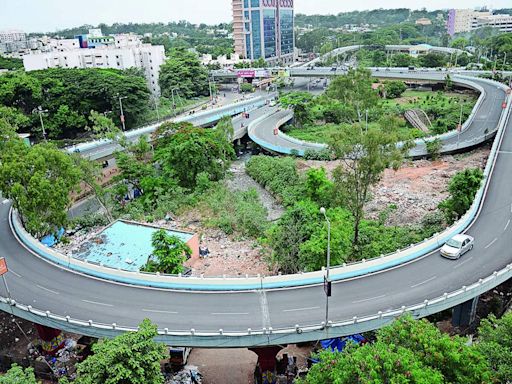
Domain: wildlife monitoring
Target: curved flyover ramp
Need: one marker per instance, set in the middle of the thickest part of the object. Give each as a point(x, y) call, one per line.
point(262, 316)
point(480, 126)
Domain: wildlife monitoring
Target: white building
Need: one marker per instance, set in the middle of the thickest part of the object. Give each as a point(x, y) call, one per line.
point(148, 57)
point(223, 60)
point(501, 22)
point(10, 36)
point(127, 40)
point(466, 20)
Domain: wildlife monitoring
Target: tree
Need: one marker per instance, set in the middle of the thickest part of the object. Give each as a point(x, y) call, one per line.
point(225, 128)
point(131, 358)
point(10, 63)
point(64, 119)
point(495, 343)
point(169, 253)
point(104, 128)
point(183, 72)
point(434, 148)
point(406, 351)
point(18, 375)
point(394, 89)
point(433, 60)
point(355, 90)
point(39, 180)
point(376, 363)
point(299, 102)
point(191, 151)
point(247, 88)
point(365, 155)
point(438, 350)
point(462, 187)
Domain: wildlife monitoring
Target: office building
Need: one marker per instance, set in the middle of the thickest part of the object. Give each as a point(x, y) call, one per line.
point(264, 29)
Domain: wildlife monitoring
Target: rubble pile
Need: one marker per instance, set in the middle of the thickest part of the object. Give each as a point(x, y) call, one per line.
point(416, 188)
point(188, 375)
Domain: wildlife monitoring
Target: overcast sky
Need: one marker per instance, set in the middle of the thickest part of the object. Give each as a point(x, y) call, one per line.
point(51, 15)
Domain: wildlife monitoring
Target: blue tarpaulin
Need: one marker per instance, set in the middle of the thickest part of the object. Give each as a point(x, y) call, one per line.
point(52, 239)
point(339, 343)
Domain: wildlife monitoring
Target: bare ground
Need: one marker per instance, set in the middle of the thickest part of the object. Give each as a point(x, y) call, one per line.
point(417, 188)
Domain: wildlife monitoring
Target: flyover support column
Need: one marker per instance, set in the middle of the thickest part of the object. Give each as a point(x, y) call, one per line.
point(464, 314)
point(267, 364)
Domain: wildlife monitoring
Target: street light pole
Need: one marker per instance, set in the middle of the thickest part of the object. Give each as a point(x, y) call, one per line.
point(327, 285)
point(41, 111)
point(121, 107)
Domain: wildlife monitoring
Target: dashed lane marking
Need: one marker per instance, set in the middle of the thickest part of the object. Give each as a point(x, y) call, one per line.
point(300, 309)
point(230, 313)
point(506, 226)
point(462, 263)
point(97, 303)
point(368, 299)
point(159, 311)
point(491, 243)
point(48, 290)
point(423, 282)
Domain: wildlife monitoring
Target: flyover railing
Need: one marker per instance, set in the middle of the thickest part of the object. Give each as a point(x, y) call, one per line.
point(293, 333)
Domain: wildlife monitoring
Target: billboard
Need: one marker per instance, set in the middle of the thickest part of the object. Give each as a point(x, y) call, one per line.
point(246, 73)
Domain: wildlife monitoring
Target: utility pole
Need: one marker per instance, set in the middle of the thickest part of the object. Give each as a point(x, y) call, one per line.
point(121, 108)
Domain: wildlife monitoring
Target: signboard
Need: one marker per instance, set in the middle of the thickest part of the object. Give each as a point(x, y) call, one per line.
point(246, 73)
point(3, 266)
point(504, 105)
point(509, 91)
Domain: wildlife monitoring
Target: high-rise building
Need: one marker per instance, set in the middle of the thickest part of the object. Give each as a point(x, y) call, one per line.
point(264, 29)
point(464, 20)
point(12, 35)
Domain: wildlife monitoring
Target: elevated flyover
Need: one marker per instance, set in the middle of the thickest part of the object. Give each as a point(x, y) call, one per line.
point(271, 310)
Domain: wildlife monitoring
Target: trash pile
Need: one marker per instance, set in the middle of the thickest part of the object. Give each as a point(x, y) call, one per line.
point(188, 375)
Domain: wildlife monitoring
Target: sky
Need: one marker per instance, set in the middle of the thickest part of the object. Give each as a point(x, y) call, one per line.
point(52, 15)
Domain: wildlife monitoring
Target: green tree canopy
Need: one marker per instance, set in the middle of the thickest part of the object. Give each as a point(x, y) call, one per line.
point(183, 72)
point(191, 151)
point(407, 351)
point(39, 180)
point(462, 187)
point(18, 375)
point(131, 358)
point(495, 343)
point(169, 253)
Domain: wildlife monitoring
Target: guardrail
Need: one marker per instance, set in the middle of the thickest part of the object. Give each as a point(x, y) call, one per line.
point(199, 118)
point(266, 336)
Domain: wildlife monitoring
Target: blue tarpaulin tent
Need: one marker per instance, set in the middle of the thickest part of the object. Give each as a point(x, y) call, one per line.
point(52, 239)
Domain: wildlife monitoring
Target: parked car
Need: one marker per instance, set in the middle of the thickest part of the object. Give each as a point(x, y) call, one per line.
point(457, 246)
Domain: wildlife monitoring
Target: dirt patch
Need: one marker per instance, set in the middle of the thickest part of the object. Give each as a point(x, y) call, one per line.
point(415, 189)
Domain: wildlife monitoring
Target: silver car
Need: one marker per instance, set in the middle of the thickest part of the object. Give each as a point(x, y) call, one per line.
point(457, 246)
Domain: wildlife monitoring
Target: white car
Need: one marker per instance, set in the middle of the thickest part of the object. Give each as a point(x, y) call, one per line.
point(457, 246)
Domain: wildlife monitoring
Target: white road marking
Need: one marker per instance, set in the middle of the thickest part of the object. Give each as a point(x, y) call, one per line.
point(46, 289)
point(97, 303)
point(506, 226)
point(230, 313)
point(506, 152)
point(159, 311)
point(265, 314)
point(491, 243)
point(14, 273)
point(462, 263)
point(423, 282)
point(300, 309)
point(370, 298)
